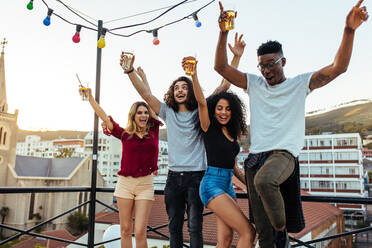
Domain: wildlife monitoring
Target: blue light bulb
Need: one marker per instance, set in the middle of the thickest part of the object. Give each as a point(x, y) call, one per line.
point(198, 24)
point(47, 21)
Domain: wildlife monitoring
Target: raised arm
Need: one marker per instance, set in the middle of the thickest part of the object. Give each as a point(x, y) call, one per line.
point(142, 88)
point(354, 19)
point(142, 75)
point(199, 96)
point(228, 72)
point(237, 50)
point(99, 111)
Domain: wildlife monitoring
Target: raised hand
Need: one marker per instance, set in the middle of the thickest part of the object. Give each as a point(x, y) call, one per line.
point(222, 18)
point(238, 47)
point(106, 130)
point(142, 74)
point(356, 16)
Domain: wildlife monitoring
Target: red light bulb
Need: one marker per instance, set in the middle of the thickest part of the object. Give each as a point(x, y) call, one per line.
point(76, 37)
point(156, 41)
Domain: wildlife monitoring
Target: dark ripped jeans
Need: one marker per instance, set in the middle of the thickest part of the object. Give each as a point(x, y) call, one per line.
point(182, 194)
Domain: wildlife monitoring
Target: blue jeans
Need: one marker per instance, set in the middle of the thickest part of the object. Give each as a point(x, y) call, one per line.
point(216, 181)
point(182, 193)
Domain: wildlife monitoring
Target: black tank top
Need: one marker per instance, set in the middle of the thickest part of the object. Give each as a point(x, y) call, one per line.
point(221, 152)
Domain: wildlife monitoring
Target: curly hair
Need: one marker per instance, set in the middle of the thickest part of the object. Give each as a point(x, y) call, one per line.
point(191, 103)
point(237, 125)
point(270, 47)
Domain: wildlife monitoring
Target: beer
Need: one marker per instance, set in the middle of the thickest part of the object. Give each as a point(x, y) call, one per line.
point(128, 59)
point(83, 91)
point(229, 23)
point(190, 66)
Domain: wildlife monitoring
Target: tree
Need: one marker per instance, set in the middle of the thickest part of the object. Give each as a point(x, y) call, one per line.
point(77, 223)
point(369, 146)
point(4, 211)
point(65, 153)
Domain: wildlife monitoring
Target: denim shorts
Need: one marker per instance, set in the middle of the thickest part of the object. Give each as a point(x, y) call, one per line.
point(216, 181)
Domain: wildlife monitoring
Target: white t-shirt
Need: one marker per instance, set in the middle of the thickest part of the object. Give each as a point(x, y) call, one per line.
point(277, 113)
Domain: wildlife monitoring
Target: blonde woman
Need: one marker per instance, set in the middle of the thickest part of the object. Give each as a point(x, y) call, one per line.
point(135, 188)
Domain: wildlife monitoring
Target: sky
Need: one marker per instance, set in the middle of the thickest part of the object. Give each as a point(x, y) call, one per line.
point(41, 61)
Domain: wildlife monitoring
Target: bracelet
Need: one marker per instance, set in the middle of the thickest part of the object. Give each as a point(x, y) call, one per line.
point(127, 72)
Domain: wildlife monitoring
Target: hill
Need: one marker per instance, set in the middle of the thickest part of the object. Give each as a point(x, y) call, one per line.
point(51, 135)
point(350, 119)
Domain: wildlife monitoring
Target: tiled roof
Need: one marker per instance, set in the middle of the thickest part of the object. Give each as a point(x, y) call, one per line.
point(315, 215)
point(62, 233)
point(238, 185)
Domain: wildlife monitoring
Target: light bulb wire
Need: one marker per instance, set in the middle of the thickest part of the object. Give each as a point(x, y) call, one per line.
point(165, 25)
point(133, 25)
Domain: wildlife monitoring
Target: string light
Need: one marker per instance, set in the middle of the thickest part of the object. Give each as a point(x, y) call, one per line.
point(30, 5)
point(101, 42)
point(197, 22)
point(47, 19)
point(156, 41)
point(76, 37)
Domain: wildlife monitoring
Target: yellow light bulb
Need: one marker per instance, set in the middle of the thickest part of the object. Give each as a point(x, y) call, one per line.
point(101, 42)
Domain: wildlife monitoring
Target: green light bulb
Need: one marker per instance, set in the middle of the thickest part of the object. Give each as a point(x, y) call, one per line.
point(30, 5)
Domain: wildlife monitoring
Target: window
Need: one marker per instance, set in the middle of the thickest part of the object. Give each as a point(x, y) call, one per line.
point(304, 185)
point(322, 185)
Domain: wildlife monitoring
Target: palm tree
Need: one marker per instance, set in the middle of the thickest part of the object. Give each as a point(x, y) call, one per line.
point(65, 153)
point(4, 211)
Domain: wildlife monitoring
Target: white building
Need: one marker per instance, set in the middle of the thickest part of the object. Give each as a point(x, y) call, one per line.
point(331, 165)
point(161, 178)
point(34, 147)
point(109, 155)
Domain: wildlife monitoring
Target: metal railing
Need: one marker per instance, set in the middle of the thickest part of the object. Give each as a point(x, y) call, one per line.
point(13, 190)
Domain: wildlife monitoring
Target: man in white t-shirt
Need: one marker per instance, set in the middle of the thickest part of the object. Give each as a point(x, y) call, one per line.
point(277, 121)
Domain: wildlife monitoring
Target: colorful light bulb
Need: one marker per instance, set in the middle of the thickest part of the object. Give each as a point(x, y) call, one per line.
point(47, 19)
point(76, 37)
point(101, 42)
point(197, 22)
point(155, 41)
point(30, 5)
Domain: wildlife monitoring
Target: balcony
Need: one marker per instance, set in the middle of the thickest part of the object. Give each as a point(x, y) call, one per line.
point(341, 201)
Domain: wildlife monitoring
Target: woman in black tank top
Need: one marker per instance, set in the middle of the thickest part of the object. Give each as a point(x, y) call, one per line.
point(222, 122)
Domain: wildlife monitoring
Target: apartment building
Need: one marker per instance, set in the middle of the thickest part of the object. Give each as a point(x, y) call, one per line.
point(109, 155)
point(34, 147)
point(161, 178)
point(331, 165)
point(367, 153)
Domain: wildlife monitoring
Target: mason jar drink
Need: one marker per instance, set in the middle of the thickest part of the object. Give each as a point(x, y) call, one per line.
point(190, 66)
point(128, 60)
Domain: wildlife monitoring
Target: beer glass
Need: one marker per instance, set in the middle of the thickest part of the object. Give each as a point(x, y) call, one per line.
point(190, 66)
point(128, 60)
point(229, 23)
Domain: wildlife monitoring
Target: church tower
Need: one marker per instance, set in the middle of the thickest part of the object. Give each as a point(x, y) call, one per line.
point(8, 127)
